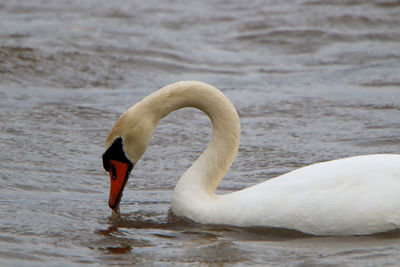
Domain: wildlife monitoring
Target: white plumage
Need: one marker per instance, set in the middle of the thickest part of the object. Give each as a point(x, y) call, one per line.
point(351, 196)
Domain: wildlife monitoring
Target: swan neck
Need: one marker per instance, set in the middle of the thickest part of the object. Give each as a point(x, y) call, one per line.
point(207, 171)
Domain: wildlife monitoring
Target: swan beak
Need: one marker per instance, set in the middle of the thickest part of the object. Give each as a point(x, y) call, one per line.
point(119, 174)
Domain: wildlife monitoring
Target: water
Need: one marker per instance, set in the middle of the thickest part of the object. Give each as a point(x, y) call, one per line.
point(311, 80)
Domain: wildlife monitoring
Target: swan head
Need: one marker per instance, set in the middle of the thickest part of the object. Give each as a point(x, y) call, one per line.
point(125, 145)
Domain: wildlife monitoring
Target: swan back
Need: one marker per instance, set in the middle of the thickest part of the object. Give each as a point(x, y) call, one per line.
point(356, 195)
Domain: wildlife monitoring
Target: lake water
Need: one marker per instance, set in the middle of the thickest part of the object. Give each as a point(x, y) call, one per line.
point(311, 81)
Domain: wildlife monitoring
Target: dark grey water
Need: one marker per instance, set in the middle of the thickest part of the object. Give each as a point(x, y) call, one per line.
point(311, 80)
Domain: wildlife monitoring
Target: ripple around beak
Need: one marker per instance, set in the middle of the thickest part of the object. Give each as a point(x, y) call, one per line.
point(115, 213)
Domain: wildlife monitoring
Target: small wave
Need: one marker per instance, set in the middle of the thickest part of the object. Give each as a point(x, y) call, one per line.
point(382, 83)
point(28, 66)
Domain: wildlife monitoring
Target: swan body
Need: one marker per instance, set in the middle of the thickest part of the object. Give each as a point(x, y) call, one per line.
point(352, 196)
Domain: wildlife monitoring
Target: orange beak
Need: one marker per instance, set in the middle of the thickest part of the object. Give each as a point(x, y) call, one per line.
point(119, 174)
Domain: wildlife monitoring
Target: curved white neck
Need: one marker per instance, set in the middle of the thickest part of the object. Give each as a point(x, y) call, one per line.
point(199, 182)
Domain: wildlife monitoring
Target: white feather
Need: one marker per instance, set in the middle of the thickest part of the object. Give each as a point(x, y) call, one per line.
point(351, 196)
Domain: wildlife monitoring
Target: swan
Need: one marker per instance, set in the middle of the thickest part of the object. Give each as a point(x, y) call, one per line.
point(352, 196)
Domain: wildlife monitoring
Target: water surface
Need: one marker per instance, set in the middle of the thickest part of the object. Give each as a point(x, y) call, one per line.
point(311, 80)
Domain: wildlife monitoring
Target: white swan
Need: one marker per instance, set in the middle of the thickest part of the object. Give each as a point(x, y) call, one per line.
point(352, 196)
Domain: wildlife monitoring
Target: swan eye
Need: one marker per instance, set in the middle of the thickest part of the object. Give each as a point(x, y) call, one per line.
point(113, 172)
